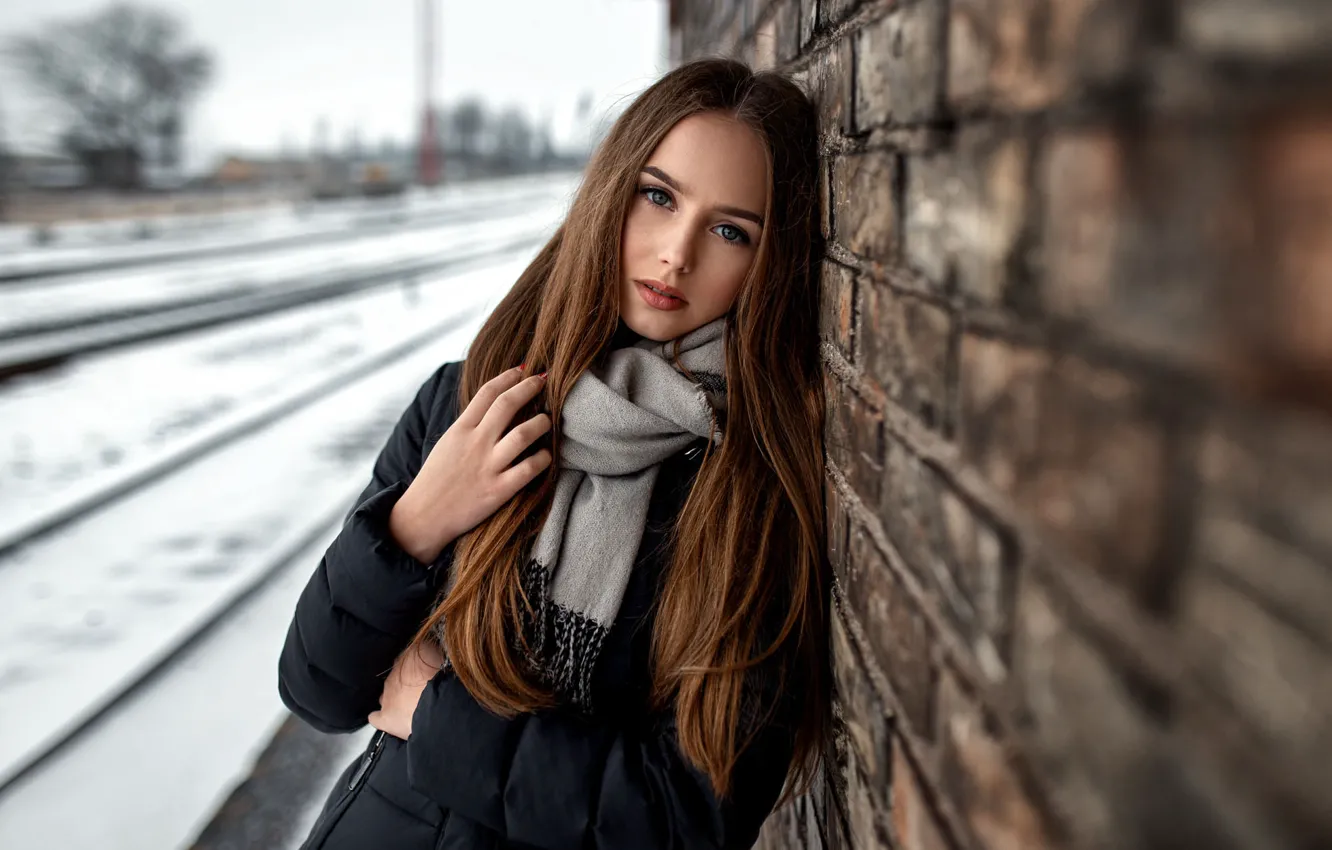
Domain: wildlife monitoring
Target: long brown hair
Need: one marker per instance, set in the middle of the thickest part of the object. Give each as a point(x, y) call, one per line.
point(749, 545)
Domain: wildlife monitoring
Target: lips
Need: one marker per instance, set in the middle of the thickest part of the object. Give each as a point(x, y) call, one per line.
point(657, 300)
point(661, 288)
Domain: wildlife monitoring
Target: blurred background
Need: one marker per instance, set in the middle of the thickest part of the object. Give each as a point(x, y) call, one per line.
point(235, 237)
point(1076, 326)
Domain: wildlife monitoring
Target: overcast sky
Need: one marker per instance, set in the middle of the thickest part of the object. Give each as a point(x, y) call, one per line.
point(281, 64)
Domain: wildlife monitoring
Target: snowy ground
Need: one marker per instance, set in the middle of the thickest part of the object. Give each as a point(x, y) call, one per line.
point(84, 612)
point(83, 242)
point(44, 302)
point(151, 774)
point(67, 432)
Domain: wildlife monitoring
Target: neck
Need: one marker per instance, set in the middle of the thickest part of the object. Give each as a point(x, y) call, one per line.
point(623, 337)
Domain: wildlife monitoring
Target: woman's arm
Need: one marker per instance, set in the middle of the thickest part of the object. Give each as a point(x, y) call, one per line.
point(556, 780)
point(367, 596)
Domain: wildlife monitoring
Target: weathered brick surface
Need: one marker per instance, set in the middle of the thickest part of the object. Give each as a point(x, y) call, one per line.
point(907, 355)
point(978, 774)
point(897, 635)
point(1022, 55)
point(1285, 349)
point(1075, 447)
point(915, 824)
point(965, 213)
point(1088, 730)
point(863, 213)
point(1078, 323)
point(957, 557)
point(899, 72)
point(840, 317)
point(868, 723)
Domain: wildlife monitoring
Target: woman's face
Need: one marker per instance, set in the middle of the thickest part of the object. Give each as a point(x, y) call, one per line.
point(693, 227)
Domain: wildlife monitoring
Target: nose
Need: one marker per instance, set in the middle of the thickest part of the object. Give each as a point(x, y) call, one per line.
point(677, 248)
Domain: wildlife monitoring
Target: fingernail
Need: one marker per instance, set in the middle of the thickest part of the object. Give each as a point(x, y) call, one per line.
point(522, 366)
point(542, 375)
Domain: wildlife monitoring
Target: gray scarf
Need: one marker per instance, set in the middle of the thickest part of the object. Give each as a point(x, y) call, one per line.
point(618, 424)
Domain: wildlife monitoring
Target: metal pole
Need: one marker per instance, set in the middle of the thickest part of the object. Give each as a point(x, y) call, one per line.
point(428, 147)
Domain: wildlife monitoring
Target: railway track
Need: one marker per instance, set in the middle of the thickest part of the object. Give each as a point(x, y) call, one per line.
point(324, 511)
point(36, 350)
point(377, 223)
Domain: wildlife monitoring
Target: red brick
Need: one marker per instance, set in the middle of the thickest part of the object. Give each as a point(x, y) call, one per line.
point(1135, 242)
point(864, 218)
point(839, 308)
point(1263, 513)
point(1261, 32)
point(905, 348)
point(1075, 448)
point(1088, 731)
point(898, 67)
point(915, 825)
point(866, 820)
point(836, 439)
point(868, 725)
point(957, 557)
point(1027, 54)
point(1282, 310)
point(830, 86)
point(965, 211)
point(854, 436)
point(1276, 679)
point(977, 774)
point(838, 528)
point(1084, 183)
point(898, 635)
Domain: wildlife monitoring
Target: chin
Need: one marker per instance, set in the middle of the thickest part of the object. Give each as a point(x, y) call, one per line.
point(658, 327)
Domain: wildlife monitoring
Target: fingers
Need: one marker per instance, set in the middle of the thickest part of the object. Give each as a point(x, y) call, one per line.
point(486, 395)
point(508, 403)
point(522, 436)
point(520, 474)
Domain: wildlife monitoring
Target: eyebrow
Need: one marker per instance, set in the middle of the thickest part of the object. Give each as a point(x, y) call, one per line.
point(670, 181)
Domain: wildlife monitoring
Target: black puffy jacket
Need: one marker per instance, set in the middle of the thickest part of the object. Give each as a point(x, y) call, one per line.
point(467, 778)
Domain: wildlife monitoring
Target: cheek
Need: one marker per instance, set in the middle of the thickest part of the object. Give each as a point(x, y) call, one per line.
point(635, 238)
point(728, 269)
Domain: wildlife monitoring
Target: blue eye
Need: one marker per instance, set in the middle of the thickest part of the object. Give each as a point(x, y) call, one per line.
point(652, 193)
point(736, 236)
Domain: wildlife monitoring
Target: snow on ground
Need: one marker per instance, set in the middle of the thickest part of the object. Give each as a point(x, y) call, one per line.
point(85, 611)
point(82, 611)
point(86, 296)
point(83, 242)
point(155, 769)
point(68, 436)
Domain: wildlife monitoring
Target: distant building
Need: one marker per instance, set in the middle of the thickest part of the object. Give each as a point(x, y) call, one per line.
point(255, 171)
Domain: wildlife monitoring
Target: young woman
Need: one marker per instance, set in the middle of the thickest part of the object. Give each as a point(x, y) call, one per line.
point(627, 648)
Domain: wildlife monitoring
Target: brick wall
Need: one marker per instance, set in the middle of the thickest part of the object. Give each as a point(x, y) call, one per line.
point(1078, 337)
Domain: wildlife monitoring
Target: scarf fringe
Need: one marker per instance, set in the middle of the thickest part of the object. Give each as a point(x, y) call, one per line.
point(564, 644)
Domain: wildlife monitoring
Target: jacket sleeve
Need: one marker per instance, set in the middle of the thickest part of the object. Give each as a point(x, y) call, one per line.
point(367, 596)
point(557, 780)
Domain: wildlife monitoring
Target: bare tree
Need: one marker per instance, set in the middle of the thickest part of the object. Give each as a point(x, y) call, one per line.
point(124, 78)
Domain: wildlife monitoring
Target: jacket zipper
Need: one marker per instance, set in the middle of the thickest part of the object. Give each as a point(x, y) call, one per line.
point(367, 760)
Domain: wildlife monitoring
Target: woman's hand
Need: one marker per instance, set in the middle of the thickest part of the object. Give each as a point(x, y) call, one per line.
point(402, 689)
point(468, 474)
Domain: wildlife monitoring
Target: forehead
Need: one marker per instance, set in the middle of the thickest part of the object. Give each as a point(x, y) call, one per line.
point(717, 160)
